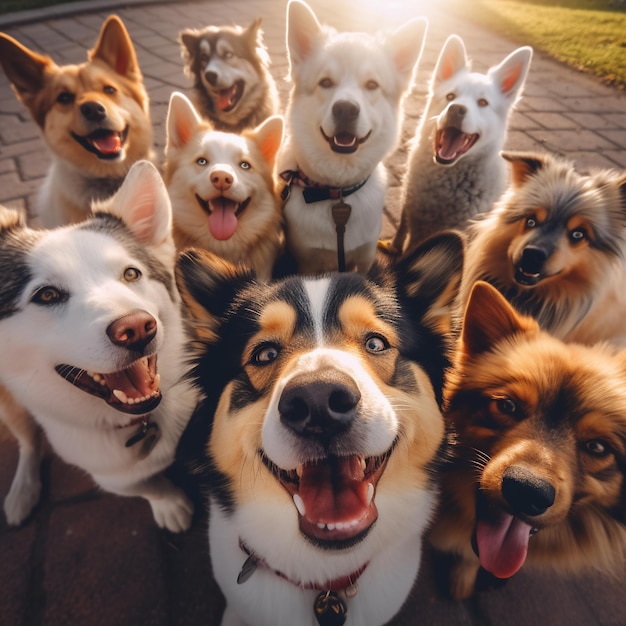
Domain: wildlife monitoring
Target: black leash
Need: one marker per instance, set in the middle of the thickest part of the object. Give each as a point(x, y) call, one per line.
point(341, 214)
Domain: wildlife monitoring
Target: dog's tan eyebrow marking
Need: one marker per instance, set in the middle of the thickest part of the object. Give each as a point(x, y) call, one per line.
point(357, 315)
point(278, 319)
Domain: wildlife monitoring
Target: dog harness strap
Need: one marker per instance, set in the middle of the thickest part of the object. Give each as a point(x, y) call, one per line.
point(312, 191)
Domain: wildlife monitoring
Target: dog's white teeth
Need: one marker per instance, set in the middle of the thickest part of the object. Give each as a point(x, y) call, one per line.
point(121, 396)
point(370, 493)
point(156, 383)
point(343, 144)
point(321, 526)
point(338, 525)
point(299, 502)
point(299, 471)
point(96, 377)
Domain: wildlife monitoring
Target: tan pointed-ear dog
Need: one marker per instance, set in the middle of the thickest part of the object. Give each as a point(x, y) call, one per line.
point(94, 117)
point(540, 456)
point(323, 405)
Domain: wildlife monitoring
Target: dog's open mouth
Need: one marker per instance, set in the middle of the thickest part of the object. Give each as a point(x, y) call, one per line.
point(451, 143)
point(223, 215)
point(227, 99)
point(525, 277)
point(105, 144)
point(344, 142)
point(133, 390)
point(334, 497)
point(501, 541)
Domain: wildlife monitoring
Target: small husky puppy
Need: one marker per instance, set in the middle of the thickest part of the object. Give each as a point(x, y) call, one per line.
point(555, 246)
point(94, 117)
point(229, 66)
point(223, 188)
point(93, 348)
point(455, 170)
point(344, 116)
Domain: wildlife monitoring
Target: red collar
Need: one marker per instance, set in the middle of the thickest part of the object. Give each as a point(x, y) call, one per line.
point(344, 583)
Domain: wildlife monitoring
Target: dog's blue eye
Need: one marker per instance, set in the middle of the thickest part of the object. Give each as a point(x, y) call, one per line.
point(244, 165)
point(65, 97)
point(326, 83)
point(597, 448)
point(482, 102)
point(506, 405)
point(49, 295)
point(450, 96)
point(109, 90)
point(376, 343)
point(227, 55)
point(131, 274)
point(577, 235)
point(265, 354)
point(202, 161)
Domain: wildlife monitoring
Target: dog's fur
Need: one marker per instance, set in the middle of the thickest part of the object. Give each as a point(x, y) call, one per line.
point(555, 246)
point(94, 117)
point(315, 387)
point(223, 188)
point(92, 306)
point(454, 169)
point(232, 83)
point(343, 117)
point(541, 446)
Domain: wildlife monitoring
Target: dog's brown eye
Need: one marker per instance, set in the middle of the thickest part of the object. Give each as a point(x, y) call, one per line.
point(109, 90)
point(202, 161)
point(326, 83)
point(65, 97)
point(482, 102)
point(376, 343)
point(227, 55)
point(577, 235)
point(131, 274)
point(597, 448)
point(506, 405)
point(450, 96)
point(265, 354)
point(49, 295)
point(244, 165)
point(371, 85)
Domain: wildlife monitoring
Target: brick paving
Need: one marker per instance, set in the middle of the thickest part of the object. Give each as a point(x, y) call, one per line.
point(92, 559)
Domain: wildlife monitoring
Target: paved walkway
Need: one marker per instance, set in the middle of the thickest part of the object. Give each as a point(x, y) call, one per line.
point(91, 559)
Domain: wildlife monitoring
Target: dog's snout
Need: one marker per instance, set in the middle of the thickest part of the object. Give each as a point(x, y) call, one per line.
point(345, 112)
point(211, 78)
point(133, 331)
point(319, 405)
point(533, 259)
point(221, 179)
point(456, 113)
point(93, 111)
point(526, 493)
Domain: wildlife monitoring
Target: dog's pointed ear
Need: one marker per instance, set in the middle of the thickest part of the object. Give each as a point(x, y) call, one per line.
point(303, 31)
point(524, 165)
point(406, 45)
point(254, 36)
point(510, 75)
point(208, 284)
point(115, 48)
point(268, 136)
point(188, 39)
point(489, 319)
point(182, 121)
point(143, 204)
point(26, 71)
point(429, 278)
point(10, 219)
point(452, 59)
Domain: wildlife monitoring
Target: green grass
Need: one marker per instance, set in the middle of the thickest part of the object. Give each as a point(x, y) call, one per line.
point(586, 34)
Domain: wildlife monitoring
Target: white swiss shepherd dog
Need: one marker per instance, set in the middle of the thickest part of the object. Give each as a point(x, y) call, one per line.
point(93, 348)
point(343, 118)
point(322, 400)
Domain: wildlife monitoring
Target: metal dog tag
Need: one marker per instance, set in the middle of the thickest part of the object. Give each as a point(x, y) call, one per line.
point(330, 609)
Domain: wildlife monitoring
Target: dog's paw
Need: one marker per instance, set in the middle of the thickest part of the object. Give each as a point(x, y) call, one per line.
point(21, 500)
point(173, 512)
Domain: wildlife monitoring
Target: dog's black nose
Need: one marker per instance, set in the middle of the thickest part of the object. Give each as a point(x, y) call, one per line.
point(133, 331)
point(345, 112)
point(319, 404)
point(93, 111)
point(211, 78)
point(456, 113)
point(533, 259)
point(526, 493)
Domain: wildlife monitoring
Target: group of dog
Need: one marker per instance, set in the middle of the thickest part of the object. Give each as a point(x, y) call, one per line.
point(465, 383)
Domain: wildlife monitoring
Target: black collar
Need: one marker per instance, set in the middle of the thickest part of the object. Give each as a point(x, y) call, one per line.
point(313, 191)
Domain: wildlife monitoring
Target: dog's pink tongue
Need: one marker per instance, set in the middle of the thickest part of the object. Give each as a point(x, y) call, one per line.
point(222, 221)
point(452, 141)
point(502, 544)
point(334, 491)
point(108, 144)
point(225, 98)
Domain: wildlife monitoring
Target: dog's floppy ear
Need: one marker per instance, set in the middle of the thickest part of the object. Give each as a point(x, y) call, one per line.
point(524, 165)
point(303, 31)
point(489, 319)
point(208, 284)
point(406, 45)
point(182, 121)
point(26, 71)
point(143, 204)
point(452, 59)
point(268, 135)
point(510, 74)
point(115, 48)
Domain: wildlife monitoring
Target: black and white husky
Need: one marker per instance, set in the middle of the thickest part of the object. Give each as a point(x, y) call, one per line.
point(92, 348)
